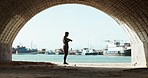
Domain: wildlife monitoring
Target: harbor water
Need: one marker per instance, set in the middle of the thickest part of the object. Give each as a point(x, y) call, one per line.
point(71, 58)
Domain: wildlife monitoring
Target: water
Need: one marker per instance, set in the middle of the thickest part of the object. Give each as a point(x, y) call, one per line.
point(72, 58)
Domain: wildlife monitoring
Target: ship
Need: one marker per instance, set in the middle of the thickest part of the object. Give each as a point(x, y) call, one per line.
point(88, 51)
point(23, 50)
point(117, 48)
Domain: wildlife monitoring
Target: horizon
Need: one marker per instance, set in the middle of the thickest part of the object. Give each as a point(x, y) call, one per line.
point(87, 27)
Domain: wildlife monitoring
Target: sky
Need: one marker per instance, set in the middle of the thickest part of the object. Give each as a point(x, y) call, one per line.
point(87, 27)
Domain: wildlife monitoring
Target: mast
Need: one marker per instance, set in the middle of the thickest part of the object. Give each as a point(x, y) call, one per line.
point(31, 45)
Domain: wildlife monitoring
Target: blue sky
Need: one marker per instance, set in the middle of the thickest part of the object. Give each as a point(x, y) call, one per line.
point(87, 26)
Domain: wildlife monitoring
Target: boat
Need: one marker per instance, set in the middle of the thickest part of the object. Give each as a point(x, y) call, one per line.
point(59, 51)
point(78, 53)
point(23, 50)
point(117, 48)
point(127, 52)
point(87, 51)
point(51, 52)
point(91, 53)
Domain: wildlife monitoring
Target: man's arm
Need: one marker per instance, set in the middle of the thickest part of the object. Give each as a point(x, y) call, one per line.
point(69, 39)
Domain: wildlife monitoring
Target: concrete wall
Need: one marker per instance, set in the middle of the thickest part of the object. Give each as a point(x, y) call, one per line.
point(138, 54)
point(5, 52)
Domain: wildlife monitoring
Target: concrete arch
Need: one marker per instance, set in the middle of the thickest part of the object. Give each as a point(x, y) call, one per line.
point(130, 14)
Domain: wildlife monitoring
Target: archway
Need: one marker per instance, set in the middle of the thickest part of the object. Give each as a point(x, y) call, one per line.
point(131, 14)
point(89, 28)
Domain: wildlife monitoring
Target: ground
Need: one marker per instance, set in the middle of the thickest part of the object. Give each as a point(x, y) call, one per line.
point(49, 70)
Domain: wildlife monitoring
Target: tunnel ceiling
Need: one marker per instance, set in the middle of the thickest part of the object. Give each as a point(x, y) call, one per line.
point(15, 13)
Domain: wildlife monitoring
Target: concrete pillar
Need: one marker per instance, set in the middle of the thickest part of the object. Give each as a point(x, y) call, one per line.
point(5, 52)
point(145, 44)
point(138, 54)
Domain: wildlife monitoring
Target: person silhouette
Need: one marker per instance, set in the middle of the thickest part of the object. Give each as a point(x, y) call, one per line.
point(66, 46)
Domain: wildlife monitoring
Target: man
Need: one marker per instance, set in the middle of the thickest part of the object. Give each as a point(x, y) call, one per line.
point(66, 46)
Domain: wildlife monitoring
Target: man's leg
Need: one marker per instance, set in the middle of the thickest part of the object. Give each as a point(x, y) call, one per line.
point(65, 55)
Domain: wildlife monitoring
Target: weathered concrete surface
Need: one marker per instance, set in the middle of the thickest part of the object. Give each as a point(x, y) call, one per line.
point(49, 70)
point(5, 52)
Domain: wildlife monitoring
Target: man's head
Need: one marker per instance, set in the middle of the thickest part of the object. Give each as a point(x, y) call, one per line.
point(66, 34)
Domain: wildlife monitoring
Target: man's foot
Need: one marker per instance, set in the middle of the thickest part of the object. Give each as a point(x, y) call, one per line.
point(65, 63)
